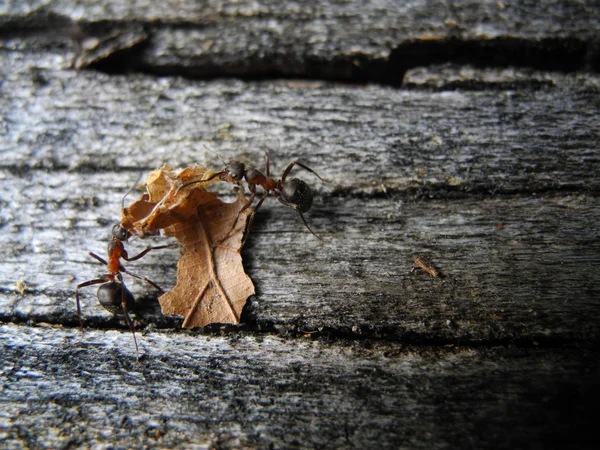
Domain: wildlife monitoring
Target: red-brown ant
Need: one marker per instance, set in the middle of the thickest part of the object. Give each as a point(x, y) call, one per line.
point(113, 295)
point(294, 192)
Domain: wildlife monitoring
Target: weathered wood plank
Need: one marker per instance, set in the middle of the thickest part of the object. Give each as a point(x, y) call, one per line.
point(385, 16)
point(469, 77)
point(261, 391)
point(392, 147)
point(341, 40)
point(363, 140)
point(533, 279)
point(495, 183)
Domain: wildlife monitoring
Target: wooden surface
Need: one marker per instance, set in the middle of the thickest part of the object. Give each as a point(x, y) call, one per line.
point(476, 148)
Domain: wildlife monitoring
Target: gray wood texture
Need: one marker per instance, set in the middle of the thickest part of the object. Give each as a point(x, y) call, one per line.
point(489, 173)
point(248, 390)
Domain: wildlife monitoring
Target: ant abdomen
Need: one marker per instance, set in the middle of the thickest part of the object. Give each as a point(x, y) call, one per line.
point(111, 297)
point(297, 193)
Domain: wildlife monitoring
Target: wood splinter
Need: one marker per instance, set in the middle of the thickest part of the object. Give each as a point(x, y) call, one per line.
point(421, 264)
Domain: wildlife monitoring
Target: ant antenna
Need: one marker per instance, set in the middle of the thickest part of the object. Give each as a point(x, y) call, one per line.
point(130, 190)
point(213, 152)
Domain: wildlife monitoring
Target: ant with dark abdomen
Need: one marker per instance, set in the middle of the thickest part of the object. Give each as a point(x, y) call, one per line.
point(294, 192)
point(113, 295)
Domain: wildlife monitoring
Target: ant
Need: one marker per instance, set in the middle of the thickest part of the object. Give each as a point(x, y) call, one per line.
point(294, 193)
point(113, 295)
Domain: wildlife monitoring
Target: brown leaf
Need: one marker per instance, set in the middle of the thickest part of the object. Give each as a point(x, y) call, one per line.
point(165, 202)
point(212, 286)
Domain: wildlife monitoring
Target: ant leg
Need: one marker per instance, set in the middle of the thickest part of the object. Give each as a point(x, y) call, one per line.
point(246, 206)
point(139, 277)
point(295, 208)
point(289, 168)
point(123, 269)
point(267, 164)
point(252, 189)
point(306, 224)
point(135, 258)
point(97, 258)
point(78, 303)
point(251, 219)
point(125, 312)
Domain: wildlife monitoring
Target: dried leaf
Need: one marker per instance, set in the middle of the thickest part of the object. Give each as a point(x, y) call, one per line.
point(212, 286)
point(164, 204)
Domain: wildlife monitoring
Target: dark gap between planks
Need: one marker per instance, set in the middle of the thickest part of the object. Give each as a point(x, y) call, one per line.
point(551, 54)
point(366, 334)
point(123, 52)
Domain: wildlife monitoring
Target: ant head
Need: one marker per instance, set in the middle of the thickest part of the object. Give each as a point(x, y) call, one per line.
point(112, 295)
point(234, 171)
point(296, 192)
point(120, 233)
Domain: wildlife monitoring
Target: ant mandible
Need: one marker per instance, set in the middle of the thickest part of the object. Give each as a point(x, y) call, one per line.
point(294, 193)
point(113, 295)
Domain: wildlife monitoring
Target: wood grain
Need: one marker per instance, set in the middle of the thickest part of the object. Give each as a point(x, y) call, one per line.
point(437, 186)
point(465, 134)
point(366, 41)
point(532, 279)
point(366, 140)
point(259, 391)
